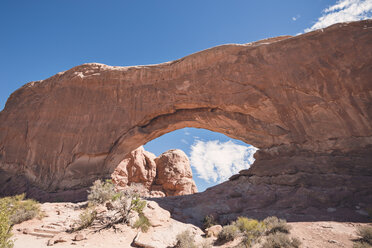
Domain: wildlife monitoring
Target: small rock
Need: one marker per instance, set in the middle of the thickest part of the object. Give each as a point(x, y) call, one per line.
point(332, 241)
point(213, 231)
point(79, 237)
point(26, 231)
point(57, 239)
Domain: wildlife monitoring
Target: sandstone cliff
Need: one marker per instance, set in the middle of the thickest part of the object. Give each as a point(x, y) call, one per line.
point(168, 175)
point(304, 101)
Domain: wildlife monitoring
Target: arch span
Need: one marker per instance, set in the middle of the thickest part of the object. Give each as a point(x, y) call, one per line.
point(304, 101)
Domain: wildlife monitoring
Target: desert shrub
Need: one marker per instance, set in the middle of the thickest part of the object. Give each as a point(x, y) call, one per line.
point(185, 240)
point(365, 232)
point(137, 204)
point(5, 227)
point(20, 209)
point(281, 240)
point(26, 210)
point(252, 229)
point(101, 191)
point(129, 201)
point(228, 233)
point(273, 225)
point(209, 221)
point(121, 207)
point(116, 196)
point(86, 219)
point(142, 223)
point(205, 244)
point(247, 225)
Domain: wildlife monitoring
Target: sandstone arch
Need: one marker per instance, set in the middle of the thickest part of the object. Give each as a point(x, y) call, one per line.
point(305, 101)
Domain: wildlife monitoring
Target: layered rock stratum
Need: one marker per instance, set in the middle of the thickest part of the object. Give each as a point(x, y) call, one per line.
point(304, 101)
point(168, 175)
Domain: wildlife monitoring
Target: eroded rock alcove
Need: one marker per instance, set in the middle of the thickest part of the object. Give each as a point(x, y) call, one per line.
point(304, 101)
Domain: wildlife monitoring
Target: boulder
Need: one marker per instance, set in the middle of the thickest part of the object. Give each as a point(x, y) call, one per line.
point(79, 237)
point(137, 167)
point(156, 215)
point(213, 231)
point(173, 173)
point(168, 175)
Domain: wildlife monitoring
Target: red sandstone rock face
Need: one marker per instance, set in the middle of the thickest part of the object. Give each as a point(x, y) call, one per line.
point(137, 167)
point(173, 173)
point(305, 101)
point(168, 175)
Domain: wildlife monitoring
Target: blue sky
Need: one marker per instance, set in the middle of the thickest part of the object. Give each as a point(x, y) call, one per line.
point(42, 38)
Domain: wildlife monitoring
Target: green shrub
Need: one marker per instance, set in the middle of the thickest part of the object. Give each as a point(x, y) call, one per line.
point(252, 229)
point(20, 209)
point(365, 232)
point(247, 225)
point(281, 240)
point(5, 227)
point(116, 196)
point(185, 240)
point(86, 219)
point(143, 223)
point(209, 221)
point(274, 225)
point(101, 192)
point(138, 205)
point(228, 233)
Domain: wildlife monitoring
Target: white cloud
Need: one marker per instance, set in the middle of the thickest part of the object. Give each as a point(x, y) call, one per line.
point(295, 18)
point(187, 132)
point(184, 141)
point(344, 11)
point(216, 161)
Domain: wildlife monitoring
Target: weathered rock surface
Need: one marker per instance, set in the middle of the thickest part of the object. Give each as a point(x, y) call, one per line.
point(137, 167)
point(173, 173)
point(213, 231)
point(168, 175)
point(304, 101)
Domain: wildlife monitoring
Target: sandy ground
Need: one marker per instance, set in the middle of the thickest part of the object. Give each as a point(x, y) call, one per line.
point(325, 234)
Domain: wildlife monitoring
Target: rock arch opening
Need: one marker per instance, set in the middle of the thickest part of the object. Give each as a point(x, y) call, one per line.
point(176, 162)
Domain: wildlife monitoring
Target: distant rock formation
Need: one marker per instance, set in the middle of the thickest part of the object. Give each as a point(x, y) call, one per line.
point(168, 175)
